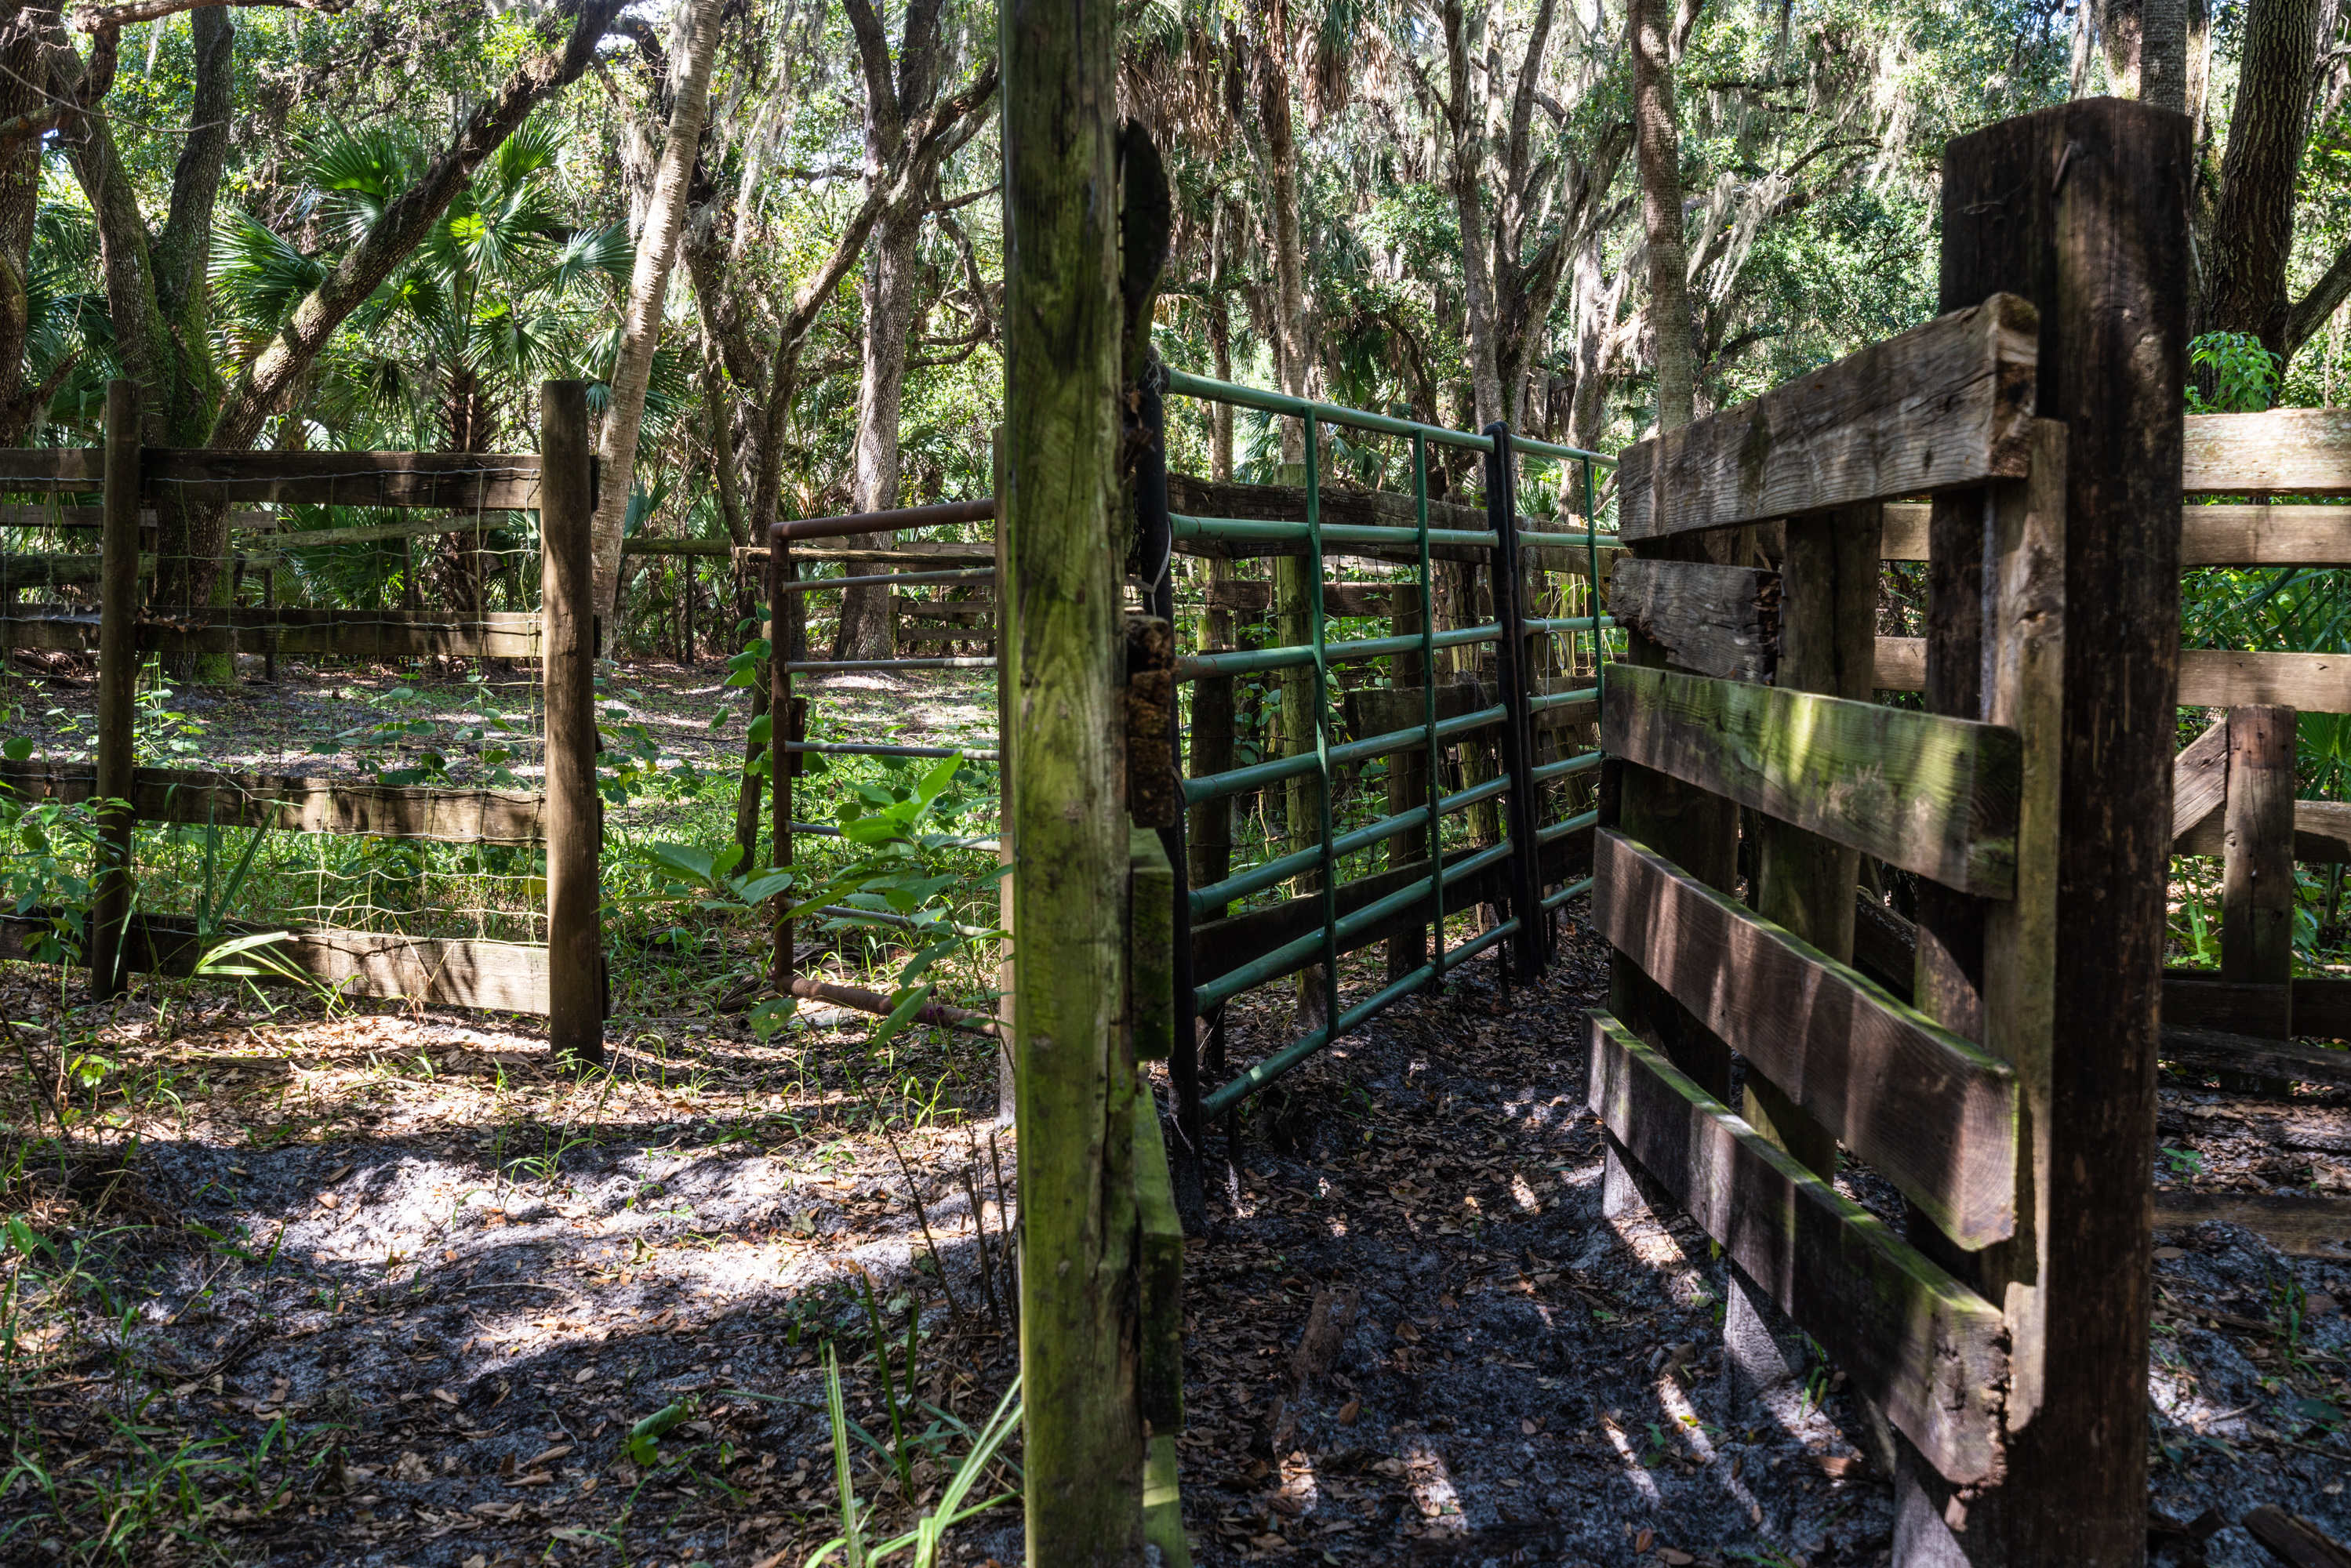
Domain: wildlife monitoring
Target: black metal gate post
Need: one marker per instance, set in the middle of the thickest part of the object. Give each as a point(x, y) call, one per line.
point(1527, 946)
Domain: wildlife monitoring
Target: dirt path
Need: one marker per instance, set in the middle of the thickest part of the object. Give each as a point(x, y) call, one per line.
point(384, 1289)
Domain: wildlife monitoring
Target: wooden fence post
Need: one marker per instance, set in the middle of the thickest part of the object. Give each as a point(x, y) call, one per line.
point(1407, 780)
point(1008, 1089)
point(575, 948)
point(2257, 884)
point(118, 684)
point(2081, 210)
point(781, 757)
point(1079, 1225)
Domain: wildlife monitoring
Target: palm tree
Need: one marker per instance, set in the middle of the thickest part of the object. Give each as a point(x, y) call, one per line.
point(503, 292)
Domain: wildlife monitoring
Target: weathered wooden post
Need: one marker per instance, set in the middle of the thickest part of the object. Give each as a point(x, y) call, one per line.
point(2081, 210)
point(1079, 1227)
point(2257, 885)
point(118, 684)
point(782, 574)
point(574, 947)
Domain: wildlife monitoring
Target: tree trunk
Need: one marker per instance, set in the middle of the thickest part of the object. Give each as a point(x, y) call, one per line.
point(2252, 237)
point(641, 323)
point(1657, 142)
point(1292, 353)
point(22, 72)
point(1466, 130)
point(1075, 1076)
point(2163, 54)
point(891, 274)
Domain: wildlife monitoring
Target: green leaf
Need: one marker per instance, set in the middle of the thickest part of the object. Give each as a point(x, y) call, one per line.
point(17, 750)
point(646, 1434)
point(688, 864)
point(759, 890)
point(762, 729)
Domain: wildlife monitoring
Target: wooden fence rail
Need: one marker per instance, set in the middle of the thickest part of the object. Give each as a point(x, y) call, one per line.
point(563, 979)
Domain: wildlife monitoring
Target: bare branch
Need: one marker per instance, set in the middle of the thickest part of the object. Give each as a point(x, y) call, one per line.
point(100, 18)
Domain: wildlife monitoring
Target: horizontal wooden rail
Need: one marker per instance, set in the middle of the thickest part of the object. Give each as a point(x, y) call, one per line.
point(2208, 535)
point(1933, 795)
point(16, 515)
point(1936, 1115)
point(2219, 1050)
point(501, 976)
point(1944, 404)
point(1713, 620)
point(459, 481)
point(2286, 451)
point(1930, 1353)
point(2209, 677)
point(2321, 833)
point(945, 514)
point(294, 803)
point(355, 634)
point(2201, 999)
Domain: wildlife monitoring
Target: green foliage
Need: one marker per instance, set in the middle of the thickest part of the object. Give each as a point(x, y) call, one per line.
point(2243, 374)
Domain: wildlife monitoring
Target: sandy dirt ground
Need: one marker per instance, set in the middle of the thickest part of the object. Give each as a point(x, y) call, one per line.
point(380, 1287)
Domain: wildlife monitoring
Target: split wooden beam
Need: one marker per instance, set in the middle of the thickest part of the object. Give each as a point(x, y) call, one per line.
point(1946, 404)
point(1935, 1113)
point(1930, 794)
point(2285, 452)
point(1930, 1353)
point(1711, 620)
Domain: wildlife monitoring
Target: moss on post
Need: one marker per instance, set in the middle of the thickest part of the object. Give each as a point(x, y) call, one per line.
point(1075, 1076)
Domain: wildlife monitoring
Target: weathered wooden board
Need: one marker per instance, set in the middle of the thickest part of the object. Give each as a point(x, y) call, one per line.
point(1150, 945)
point(353, 633)
point(500, 976)
point(1930, 1353)
point(2209, 677)
point(1160, 1388)
point(461, 481)
point(1902, 534)
point(92, 518)
point(2215, 677)
point(2199, 780)
point(1711, 620)
point(1930, 794)
point(2287, 451)
point(2265, 536)
point(67, 468)
point(1901, 664)
point(1884, 945)
point(294, 803)
point(1944, 404)
point(2199, 998)
point(2220, 1050)
point(2321, 834)
point(2208, 535)
point(2298, 1226)
point(963, 613)
point(1935, 1114)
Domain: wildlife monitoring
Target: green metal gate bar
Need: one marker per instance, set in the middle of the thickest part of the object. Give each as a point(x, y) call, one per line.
point(1522, 780)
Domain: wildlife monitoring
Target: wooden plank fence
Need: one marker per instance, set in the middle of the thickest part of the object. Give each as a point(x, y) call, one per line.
point(1973, 1058)
point(563, 979)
